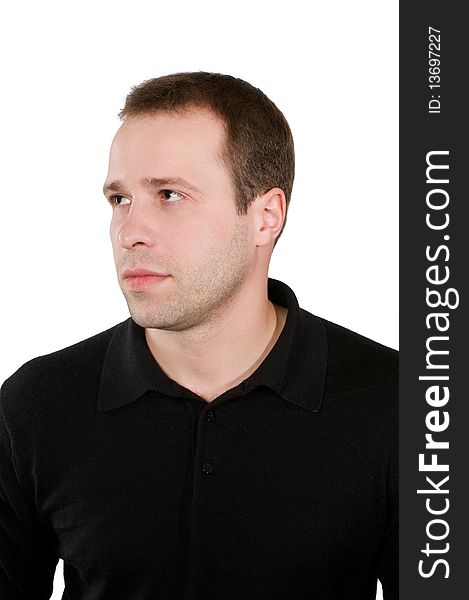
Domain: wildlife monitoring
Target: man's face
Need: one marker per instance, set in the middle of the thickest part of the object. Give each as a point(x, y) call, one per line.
point(183, 224)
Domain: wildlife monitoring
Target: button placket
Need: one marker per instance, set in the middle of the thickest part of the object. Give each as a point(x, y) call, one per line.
point(207, 466)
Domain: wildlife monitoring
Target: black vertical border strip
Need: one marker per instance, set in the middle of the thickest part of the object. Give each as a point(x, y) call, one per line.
point(420, 133)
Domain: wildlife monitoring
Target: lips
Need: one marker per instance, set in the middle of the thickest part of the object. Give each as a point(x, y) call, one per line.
point(142, 273)
point(141, 280)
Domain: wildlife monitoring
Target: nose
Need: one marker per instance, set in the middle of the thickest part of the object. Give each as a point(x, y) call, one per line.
point(136, 228)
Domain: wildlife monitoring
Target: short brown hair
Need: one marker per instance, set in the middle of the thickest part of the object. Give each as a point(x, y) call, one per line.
point(258, 148)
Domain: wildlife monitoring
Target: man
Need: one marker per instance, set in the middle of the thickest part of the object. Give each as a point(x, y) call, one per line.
point(221, 443)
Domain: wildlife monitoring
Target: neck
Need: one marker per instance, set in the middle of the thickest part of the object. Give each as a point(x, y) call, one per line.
point(217, 355)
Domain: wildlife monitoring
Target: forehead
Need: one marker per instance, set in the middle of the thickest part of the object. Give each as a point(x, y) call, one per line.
point(170, 145)
point(193, 130)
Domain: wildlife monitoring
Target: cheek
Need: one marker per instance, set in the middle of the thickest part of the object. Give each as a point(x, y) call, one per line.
point(217, 230)
point(114, 237)
point(194, 235)
point(112, 233)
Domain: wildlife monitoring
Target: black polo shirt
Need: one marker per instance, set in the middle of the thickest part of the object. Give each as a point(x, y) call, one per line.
point(283, 487)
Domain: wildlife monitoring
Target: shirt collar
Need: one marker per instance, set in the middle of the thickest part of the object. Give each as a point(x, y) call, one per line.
point(295, 368)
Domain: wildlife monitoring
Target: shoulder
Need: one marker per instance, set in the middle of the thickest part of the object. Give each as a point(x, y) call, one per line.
point(360, 373)
point(364, 360)
point(55, 373)
point(346, 348)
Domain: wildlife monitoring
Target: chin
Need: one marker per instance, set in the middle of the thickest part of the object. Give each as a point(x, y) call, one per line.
point(149, 321)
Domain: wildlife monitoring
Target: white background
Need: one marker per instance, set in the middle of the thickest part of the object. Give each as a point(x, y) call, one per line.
point(331, 67)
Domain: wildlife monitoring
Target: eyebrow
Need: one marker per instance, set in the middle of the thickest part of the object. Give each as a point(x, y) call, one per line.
point(153, 182)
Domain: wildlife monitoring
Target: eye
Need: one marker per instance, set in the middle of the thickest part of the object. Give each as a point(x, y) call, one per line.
point(114, 200)
point(171, 196)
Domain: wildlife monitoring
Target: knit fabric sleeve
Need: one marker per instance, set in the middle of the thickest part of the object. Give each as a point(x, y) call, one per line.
point(27, 559)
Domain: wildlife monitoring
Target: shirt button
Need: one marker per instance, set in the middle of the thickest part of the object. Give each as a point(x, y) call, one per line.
point(207, 468)
point(210, 417)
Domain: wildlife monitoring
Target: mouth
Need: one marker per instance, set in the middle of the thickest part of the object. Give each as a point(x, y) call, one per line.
point(142, 273)
point(138, 280)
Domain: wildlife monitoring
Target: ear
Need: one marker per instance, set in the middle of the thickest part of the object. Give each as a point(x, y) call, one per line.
point(269, 210)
